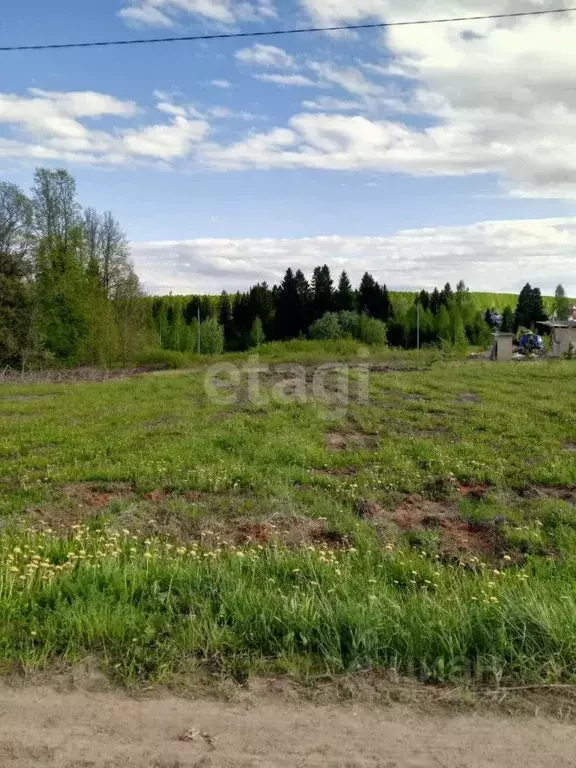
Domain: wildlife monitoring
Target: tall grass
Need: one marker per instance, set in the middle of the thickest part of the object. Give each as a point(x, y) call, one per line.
point(151, 609)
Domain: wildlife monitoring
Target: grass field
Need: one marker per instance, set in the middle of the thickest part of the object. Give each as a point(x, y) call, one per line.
point(431, 530)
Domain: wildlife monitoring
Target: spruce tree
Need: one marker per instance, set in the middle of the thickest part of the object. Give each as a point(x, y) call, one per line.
point(508, 321)
point(345, 294)
point(435, 301)
point(561, 303)
point(322, 292)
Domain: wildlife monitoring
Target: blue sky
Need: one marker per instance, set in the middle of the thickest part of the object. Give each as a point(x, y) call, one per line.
point(422, 154)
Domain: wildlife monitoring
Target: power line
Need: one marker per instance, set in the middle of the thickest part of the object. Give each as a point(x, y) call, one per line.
point(275, 32)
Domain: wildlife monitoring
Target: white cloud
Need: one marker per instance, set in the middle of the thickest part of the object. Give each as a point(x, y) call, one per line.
point(223, 113)
point(265, 56)
point(166, 142)
point(224, 84)
point(166, 12)
point(329, 103)
point(493, 255)
point(298, 80)
point(497, 97)
point(50, 126)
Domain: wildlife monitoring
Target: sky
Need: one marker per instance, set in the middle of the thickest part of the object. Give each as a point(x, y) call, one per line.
point(422, 154)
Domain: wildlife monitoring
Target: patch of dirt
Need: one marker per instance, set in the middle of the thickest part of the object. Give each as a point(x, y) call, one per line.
point(475, 491)
point(46, 728)
point(350, 441)
point(367, 510)
point(95, 497)
point(457, 535)
point(290, 531)
point(413, 396)
point(570, 446)
point(548, 492)
point(468, 397)
point(336, 471)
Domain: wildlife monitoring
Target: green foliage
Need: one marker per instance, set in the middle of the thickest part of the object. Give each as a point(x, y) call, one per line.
point(345, 299)
point(508, 320)
point(561, 307)
point(327, 327)
point(371, 331)
point(529, 308)
point(211, 337)
point(257, 334)
point(344, 325)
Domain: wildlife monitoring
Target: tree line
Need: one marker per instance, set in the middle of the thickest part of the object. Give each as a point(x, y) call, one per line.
point(318, 308)
point(69, 296)
point(68, 292)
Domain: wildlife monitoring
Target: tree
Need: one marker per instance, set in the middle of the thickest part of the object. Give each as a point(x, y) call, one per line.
point(226, 319)
point(561, 303)
point(508, 321)
point(257, 333)
point(113, 255)
point(530, 307)
point(538, 311)
point(443, 325)
point(446, 295)
point(211, 337)
point(423, 298)
point(435, 301)
point(261, 304)
point(344, 298)
point(384, 311)
point(322, 292)
point(56, 210)
point(287, 309)
point(16, 300)
point(368, 295)
point(374, 300)
point(304, 301)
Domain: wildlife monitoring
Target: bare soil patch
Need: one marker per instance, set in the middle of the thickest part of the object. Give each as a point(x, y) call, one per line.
point(549, 492)
point(570, 446)
point(350, 441)
point(95, 497)
point(468, 397)
point(416, 513)
point(475, 491)
point(336, 471)
point(289, 531)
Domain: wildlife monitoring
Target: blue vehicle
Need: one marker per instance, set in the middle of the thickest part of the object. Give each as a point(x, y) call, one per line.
point(531, 342)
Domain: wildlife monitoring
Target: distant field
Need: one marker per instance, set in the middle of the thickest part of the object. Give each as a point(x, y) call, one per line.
point(431, 530)
point(484, 301)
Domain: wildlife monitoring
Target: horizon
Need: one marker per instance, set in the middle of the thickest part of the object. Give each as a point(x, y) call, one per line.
point(416, 153)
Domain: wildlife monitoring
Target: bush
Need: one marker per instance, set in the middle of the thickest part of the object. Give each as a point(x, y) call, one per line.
point(371, 331)
point(327, 327)
point(347, 325)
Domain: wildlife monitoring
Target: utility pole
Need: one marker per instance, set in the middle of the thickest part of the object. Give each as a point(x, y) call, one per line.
point(198, 330)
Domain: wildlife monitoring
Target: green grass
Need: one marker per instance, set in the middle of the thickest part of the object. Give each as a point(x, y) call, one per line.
point(157, 581)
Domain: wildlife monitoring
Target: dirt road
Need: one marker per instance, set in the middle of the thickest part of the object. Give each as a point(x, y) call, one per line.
point(44, 728)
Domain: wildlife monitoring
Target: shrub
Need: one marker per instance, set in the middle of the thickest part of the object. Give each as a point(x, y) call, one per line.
point(327, 327)
point(371, 331)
